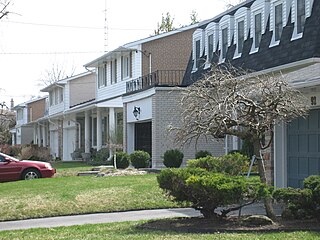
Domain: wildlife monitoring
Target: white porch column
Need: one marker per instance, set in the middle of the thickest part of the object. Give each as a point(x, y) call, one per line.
point(44, 136)
point(112, 129)
point(34, 134)
point(99, 129)
point(13, 139)
point(87, 132)
point(39, 135)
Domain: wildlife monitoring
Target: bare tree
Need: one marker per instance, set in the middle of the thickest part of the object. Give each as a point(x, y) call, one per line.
point(230, 101)
point(55, 73)
point(7, 121)
point(4, 4)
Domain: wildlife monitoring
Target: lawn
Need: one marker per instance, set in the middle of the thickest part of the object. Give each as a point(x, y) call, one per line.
point(78, 195)
point(128, 230)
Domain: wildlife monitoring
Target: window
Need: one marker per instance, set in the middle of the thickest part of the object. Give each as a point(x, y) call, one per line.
point(197, 53)
point(301, 15)
point(126, 66)
point(61, 95)
point(210, 47)
point(257, 30)
point(102, 76)
point(114, 71)
point(224, 43)
point(198, 45)
point(51, 96)
point(240, 32)
point(56, 97)
point(19, 114)
point(241, 29)
point(278, 22)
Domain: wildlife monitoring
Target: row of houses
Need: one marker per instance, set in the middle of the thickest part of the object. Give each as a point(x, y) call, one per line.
point(129, 97)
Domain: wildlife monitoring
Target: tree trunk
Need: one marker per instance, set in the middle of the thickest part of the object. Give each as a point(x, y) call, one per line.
point(262, 173)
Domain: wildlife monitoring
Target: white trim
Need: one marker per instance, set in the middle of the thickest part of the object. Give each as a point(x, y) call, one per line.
point(198, 35)
point(242, 14)
point(211, 29)
point(226, 22)
point(285, 15)
point(308, 10)
point(258, 7)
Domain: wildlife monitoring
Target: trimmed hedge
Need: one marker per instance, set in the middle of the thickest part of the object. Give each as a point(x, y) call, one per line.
point(173, 158)
point(122, 160)
point(208, 190)
point(140, 159)
point(301, 203)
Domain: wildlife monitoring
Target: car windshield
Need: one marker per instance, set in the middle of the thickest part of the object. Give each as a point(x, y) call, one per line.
point(7, 156)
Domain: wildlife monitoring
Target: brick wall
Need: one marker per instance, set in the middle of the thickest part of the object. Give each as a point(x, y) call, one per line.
point(168, 53)
point(166, 112)
point(36, 110)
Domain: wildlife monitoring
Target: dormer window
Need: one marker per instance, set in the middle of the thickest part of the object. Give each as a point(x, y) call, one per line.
point(197, 48)
point(301, 10)
point(279, 13)
point(224, 42)
point(260, 10)
point(212, 38)
point(225, 25)
point(257, 30)
point(113, 71)
point(241, 30)
point(301, 15)
point(278, 22)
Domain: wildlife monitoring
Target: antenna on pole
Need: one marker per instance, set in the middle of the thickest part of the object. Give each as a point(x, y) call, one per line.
point(105, 27)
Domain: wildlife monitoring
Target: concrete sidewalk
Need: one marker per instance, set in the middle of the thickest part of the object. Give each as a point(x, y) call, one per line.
point(120, 217)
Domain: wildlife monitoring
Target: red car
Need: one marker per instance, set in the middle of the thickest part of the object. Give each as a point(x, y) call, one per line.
point(12, 169)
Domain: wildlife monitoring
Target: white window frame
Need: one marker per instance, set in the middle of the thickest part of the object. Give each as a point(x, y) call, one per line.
point(211, 29)
point(242, 14)
point(258, 7)
point(61, 95)
point(51, 98)
point(286, 4)
point(102, 75)
point(308, 10)
point(126, 66)
point(114, 71)
point(198, 35)
point(226, 21)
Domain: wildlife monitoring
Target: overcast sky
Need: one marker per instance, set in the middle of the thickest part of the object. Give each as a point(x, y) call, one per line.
point(70, 33)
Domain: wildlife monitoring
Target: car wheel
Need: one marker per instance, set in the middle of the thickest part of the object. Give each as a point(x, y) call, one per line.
point(30, 174)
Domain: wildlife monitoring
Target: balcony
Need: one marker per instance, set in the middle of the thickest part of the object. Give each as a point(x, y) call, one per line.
point(168, 78)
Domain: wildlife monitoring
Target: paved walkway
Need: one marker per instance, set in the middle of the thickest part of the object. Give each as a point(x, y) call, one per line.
point(117, 217)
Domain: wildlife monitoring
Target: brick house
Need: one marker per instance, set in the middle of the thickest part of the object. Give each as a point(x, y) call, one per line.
point(271, 36)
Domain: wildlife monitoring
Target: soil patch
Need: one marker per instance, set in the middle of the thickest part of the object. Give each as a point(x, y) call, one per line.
point(231, 224)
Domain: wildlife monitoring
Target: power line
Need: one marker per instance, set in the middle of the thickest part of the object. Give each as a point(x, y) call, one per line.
point(46, 53)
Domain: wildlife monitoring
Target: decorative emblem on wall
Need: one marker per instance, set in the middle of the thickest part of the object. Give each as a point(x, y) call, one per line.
point(136, 112)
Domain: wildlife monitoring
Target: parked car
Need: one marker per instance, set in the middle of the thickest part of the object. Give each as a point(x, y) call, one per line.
point(12, 169)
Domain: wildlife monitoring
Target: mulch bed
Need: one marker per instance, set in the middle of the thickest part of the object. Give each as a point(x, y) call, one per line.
point(232, 224)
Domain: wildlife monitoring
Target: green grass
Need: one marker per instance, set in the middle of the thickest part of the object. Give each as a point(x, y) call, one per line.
point(128, 230)
point(79, 195)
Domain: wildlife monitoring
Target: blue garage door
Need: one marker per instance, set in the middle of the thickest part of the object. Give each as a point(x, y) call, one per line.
point(303, 148)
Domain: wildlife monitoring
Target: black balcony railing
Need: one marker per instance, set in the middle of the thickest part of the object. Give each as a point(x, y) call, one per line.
point(157, 78)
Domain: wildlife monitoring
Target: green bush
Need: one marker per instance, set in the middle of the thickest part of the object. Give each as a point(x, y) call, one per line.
point(140, 159)
point(102, 155)
point(300, 203)
point(122, 160)
point(208, 190)
point(173, 158)
point(35, 153)
point(202, 154)
point(231, 164)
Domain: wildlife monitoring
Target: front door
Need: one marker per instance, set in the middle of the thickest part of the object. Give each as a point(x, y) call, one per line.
point(143, 137)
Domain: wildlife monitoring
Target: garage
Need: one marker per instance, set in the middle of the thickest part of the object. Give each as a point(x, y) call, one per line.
point(303, 148)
